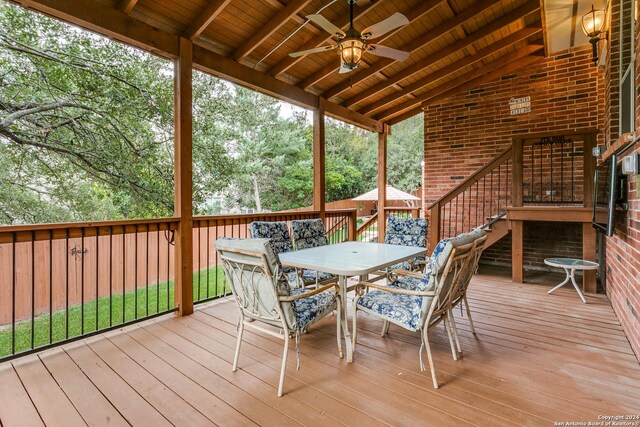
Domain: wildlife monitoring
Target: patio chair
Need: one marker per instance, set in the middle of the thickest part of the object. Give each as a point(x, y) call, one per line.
point(308, 233)
point(411, 280)
point(263, 295)
point(460, 295)
point(407, 232)
point(424, 306)
point(278, 234)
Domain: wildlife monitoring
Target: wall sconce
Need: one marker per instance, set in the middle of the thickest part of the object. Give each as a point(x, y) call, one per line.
point(592, 24)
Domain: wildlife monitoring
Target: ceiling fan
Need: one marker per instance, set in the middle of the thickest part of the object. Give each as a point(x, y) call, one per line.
point(352, 43)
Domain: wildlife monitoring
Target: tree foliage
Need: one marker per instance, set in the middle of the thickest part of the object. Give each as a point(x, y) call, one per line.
point(86, 133)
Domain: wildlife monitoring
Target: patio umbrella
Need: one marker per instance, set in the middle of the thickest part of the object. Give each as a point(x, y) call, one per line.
point(392, 194)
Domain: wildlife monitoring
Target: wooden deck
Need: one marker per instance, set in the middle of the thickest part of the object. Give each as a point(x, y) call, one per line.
point(537, 359)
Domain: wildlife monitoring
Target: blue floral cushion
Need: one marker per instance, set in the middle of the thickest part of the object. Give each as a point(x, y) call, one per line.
point(278, 235)
point(308, 233)
point(407, 282)
point(400, 309)
point(426, 283)
point(407, 232)
point(308, 277)
point(308, 310)
point(443, 249)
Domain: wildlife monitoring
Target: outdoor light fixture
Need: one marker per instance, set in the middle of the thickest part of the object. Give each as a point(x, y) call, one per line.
point(592, 24)
point(351, 49)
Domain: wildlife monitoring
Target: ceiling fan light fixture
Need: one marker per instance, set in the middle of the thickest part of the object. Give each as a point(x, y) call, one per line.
point(351, 52)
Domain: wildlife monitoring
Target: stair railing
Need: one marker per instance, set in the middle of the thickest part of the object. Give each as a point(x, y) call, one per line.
point(478, 201)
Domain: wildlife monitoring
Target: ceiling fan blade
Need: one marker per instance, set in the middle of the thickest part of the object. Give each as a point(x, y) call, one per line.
point(388, 52)
point(391, 23)
point(314, 50)
point(344, 70)
point(324, 23)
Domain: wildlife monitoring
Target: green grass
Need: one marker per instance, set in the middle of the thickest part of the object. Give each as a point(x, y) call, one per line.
point(86, 318)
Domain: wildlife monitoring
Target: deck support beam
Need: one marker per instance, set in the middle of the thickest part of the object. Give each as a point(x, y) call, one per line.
point(183, 202)
point(319, 190)
point(517, 200)
point(382, 182)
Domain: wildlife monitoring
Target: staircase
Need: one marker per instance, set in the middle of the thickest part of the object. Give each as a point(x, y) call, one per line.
point(480, 200)
point(539, 178)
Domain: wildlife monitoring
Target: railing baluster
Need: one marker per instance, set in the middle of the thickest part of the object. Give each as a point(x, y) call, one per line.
point(158, 270)
point(81, 280)
point(33, 288)
point(110, 275)
point(146, 279)
point(135, 272)
point(13, 293)
point(50, 286)
point(97, 275)
point(124, 273)
point(208, 248)
point(67, 284)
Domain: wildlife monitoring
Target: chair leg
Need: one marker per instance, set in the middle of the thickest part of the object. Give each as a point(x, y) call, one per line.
point(430, 358)
point(466, 305)
point(284, 364)
point(339, 327)
point(239, 341)
point(447, 327)
point(454, 328)
point(385, 328)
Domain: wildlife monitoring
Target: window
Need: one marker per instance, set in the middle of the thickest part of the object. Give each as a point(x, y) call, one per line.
point(627, 56)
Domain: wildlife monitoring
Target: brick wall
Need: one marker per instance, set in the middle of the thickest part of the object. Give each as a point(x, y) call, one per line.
point(623, 249)
point(464, 132)
point(541, 240)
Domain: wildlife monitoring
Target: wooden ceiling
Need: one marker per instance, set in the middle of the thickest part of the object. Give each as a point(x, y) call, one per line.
point(455, 46)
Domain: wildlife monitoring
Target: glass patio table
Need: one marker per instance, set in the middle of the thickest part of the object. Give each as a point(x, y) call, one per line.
point(570, 265)
point(346, 260)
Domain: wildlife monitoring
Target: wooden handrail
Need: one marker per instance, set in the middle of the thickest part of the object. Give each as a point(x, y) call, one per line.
point(368, 222)
point(464, 185)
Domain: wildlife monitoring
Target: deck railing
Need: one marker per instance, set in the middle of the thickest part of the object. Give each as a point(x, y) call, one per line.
point(474, 202)
point(61, 282)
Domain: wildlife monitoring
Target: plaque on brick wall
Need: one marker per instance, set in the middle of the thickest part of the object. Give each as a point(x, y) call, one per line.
point(520, 105)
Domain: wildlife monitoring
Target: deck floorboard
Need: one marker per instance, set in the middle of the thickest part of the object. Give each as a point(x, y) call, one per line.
point(536, 359)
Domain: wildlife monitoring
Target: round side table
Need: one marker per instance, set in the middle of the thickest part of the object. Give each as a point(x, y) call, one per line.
point(570, 266)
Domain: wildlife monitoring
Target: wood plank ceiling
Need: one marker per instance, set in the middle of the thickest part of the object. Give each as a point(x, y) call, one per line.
point(455, 45)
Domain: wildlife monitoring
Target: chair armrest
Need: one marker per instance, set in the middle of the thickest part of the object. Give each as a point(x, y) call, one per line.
point(407, 273)
point(360, 286)
point(308, 294)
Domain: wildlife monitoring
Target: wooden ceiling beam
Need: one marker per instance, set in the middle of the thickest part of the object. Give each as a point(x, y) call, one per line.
point(281, 18)
point(126, 6)
point(483, 32)
point(230, 70)
point(412, 15)
point(497, 68)
point(109, 22)
point(453, 67)
point(205, 18)
point(321, 38)
point(427, 37)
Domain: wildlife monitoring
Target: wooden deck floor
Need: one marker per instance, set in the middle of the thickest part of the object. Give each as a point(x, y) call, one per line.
point(537, 358)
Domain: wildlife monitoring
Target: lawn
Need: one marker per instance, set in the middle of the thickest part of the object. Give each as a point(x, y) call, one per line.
point(107, 311)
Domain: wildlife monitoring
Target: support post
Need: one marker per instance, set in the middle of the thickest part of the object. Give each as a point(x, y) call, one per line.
point(434, 227)
point(382, 181)
point(352, 225)
point(517, 230)
point(183, 201)
point(589, 283)
point(319, 155)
